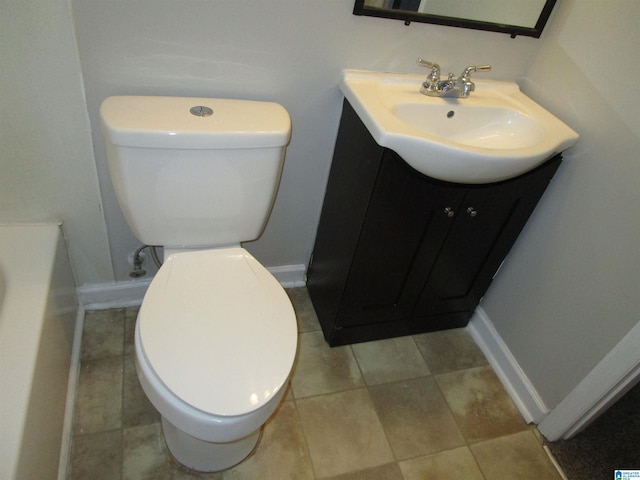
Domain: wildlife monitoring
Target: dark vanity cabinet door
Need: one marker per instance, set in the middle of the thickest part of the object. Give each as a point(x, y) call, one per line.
point(397, 252)
point(399, 239)
point(487, 223)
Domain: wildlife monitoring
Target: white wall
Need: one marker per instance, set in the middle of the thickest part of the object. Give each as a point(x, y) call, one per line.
point(569, 290)
point(289, 51)
point(47, 171)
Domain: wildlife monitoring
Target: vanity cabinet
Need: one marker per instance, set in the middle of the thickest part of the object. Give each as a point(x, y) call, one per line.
point(399, 253)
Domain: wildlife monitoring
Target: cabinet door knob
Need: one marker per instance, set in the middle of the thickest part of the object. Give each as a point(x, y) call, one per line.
point(449, 211)
point(472, 212)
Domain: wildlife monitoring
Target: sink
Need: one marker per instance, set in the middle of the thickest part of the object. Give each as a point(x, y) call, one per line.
point(495, 134)
point(473, 126)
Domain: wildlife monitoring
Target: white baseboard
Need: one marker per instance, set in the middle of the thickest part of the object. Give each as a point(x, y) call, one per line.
point(289, 276)
point(128, 294)
point(101, 296)
point(515, 381)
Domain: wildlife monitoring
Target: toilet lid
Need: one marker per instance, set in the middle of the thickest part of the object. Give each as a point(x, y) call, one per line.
point(218, 330)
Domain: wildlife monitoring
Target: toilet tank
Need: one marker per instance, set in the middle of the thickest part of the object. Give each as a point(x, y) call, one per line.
point(194, 171)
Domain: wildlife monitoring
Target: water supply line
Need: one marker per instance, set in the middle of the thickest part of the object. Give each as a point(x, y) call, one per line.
point(138, 271)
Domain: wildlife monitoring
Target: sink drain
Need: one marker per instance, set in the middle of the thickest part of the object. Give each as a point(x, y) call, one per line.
point(201, 111)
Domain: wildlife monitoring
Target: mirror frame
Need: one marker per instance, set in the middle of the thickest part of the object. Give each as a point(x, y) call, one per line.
point(408, 16)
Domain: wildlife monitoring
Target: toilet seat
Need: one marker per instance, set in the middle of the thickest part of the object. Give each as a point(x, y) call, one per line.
point(218, 331)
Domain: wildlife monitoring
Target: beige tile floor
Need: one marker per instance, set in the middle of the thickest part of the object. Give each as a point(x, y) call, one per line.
point(419, 407)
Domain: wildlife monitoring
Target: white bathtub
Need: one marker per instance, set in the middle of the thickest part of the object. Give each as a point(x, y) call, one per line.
point(37, 317)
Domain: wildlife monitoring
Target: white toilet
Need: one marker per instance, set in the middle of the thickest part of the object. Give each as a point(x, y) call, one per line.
point(216, 335)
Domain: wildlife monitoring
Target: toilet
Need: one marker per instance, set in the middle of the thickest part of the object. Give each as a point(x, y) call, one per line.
point(216, 335)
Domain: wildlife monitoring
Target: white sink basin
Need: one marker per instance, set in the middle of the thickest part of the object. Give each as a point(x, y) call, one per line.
point(494, 134)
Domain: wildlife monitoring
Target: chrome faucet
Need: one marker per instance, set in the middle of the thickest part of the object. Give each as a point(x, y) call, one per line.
point(453, 86)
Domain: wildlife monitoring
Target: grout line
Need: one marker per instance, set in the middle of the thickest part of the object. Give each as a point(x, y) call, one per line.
point(473, 455)
point(467, 443)
point(124, 380)
point(306, 441)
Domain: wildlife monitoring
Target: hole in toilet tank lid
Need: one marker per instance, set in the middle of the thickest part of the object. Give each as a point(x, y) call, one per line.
point(201, 111)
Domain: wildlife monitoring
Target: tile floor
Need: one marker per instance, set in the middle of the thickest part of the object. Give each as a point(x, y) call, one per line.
point(420, 407)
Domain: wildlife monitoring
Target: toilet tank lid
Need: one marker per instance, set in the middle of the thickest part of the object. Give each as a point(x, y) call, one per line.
point(168, 122)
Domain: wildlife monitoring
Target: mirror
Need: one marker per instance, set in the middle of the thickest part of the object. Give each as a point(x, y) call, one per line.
point(515, 17)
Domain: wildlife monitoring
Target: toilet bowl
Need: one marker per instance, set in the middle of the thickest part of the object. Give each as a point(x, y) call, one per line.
point(215, 342)
point(216, 334)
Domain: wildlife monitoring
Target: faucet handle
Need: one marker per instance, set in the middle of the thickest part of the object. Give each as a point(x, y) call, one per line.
point(467, 86)
point(435, 68)
point(473, 68)
point(425, 63)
